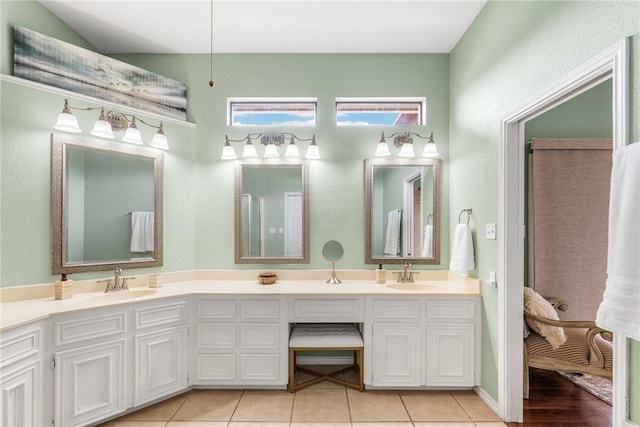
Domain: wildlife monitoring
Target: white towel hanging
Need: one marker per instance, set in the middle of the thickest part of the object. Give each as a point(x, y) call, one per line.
point(462, 255)
point(618, 311)
point(392, 242)
point(142, 232)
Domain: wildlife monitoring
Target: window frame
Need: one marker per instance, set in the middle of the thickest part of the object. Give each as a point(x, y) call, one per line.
point(312, 101)
point(422, 114)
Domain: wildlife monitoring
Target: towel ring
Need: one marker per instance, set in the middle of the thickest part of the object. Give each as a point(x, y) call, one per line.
point(469, 211)
point(430, 219)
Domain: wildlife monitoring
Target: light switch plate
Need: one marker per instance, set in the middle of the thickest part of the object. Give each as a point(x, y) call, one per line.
point(490, 231)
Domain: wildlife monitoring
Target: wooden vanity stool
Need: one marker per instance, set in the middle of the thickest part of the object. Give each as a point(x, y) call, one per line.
point(326, 337)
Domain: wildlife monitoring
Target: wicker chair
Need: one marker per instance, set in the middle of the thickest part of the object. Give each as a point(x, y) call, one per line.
point(588, 348)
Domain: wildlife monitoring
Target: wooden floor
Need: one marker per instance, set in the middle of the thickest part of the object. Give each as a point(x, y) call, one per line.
point(555, 401)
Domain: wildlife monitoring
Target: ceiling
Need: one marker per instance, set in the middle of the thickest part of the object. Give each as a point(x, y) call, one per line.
point(269, 26)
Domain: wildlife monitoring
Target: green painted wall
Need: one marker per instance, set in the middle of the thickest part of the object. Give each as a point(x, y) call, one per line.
point(512, 51)
point(198, 192)
point(588, 115)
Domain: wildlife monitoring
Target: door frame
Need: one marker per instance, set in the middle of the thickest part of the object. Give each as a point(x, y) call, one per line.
point(613, 64)
point(408, 217)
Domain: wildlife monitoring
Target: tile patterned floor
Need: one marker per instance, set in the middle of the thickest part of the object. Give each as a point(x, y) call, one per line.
point(322, 405)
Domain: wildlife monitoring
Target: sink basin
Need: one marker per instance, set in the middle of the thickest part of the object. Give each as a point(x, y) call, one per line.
point(410, 286)
point(125, 295)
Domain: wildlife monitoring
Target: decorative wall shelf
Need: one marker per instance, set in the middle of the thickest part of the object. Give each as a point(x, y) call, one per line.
point(74, 95)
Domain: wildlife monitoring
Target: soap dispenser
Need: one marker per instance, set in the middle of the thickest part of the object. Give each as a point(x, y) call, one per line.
point(63, 288)
point(381, 275)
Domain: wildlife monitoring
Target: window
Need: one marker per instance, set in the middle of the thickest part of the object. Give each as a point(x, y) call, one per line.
point(380, 111)
point(272, 111)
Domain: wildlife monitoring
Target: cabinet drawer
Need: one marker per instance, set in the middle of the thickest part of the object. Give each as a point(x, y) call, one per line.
point(390, 309)
point(260, 309)
point(90, 327)
point(326, 310)
point(217, 309)
point(161, 315)
point(259, 335)
point(449, 310)
point(19, 344)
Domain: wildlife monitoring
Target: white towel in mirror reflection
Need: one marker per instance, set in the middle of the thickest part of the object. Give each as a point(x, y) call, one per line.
point(427, 241)
point(392, 242)
point(142, 231)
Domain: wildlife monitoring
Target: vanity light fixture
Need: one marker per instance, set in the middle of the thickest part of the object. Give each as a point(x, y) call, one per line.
point(271, 143)
point(107, 123)
point(404, 142)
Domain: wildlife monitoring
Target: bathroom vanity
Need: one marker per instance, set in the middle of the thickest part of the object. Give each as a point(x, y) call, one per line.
point(95, 356)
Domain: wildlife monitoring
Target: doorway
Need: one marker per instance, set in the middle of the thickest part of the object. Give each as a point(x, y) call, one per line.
point(613, 63)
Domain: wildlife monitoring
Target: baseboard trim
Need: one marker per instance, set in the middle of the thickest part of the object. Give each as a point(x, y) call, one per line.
point(486, 398)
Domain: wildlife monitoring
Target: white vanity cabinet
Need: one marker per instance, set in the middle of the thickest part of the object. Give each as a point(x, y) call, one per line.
point(422, 341)
point(90, 360)
point(451, 343)
point(160, 344)
point(21, 377)
point(396, 342)
point(240, 341)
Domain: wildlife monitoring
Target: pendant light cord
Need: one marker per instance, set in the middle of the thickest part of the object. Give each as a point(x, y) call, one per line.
point(211, 82)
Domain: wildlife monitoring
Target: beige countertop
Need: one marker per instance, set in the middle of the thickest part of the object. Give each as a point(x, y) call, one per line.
point(20, 312)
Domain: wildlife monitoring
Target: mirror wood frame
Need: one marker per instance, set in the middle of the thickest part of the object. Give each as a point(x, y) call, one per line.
point(58, 214)
point(368, 201)
point(239, 259)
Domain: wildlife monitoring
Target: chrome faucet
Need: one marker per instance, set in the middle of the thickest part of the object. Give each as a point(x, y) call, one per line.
point(118, 283)
point(406, 275)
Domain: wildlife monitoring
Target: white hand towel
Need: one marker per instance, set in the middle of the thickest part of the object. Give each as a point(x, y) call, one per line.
point(427, 241)
point(392, 242)
point(142, 232)
point(620, 307)
point(462, 257)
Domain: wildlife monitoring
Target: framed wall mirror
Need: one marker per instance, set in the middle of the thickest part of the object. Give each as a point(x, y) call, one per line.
point(106, 205)
point(271, 213)
point(402, 211)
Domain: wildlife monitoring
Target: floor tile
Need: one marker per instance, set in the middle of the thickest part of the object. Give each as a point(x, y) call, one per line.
point(125, 423)
point(376, 406)
point(490, 424)
point(197, 424)
point(474, 406)
point(432, 406)
point(209, 405)
point(444, 424)
point(320, 405)
point(382, 424)
point(259, 405)
point(162, 411)
point(320, 424)
point(257, 424)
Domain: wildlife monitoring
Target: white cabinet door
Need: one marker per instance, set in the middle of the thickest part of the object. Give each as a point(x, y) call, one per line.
point(90, 383)
point(160, 363)
point(21, 392)
point(450, 354)
point(396, 355)
point(21, 377)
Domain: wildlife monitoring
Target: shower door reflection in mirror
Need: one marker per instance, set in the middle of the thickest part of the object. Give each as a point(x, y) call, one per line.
point(271, 213)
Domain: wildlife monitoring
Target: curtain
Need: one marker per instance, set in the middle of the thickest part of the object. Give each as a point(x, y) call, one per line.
point(568, 221)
